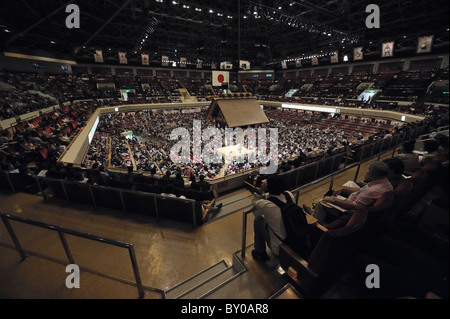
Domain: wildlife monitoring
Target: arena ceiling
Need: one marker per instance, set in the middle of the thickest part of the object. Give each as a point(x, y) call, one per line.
point(262, 32)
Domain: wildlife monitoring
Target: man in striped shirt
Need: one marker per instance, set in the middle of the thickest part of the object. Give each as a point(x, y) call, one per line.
point(366, 196)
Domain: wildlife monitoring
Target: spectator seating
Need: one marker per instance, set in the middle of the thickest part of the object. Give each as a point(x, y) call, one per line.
point(305, 174)
point(187, 210)
point(18, 182)
point(316, 271)
point(339, 247)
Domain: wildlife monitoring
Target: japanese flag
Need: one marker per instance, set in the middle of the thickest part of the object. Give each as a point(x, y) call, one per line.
point(219, 77)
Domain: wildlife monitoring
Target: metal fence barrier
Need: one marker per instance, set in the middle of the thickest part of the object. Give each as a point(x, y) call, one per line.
point(62, 232)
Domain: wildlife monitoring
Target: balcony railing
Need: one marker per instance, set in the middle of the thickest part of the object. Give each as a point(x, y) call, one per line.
point(62, 235)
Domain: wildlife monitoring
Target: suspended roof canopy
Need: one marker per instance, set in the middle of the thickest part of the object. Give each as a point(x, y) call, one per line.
point(236, 111)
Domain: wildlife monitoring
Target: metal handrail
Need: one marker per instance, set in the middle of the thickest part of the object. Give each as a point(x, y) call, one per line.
point(61, 232)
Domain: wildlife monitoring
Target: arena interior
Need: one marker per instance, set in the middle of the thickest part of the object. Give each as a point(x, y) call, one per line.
point(134, 134)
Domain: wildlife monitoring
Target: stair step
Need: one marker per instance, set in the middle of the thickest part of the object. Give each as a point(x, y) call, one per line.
point(213, 283)
point(196, 280)
point(287, 292)
point(232, 204)
point(264, 279)
point(247, 196)
point(236, 203)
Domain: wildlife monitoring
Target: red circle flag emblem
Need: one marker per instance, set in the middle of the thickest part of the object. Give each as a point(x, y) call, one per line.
point(220, 77)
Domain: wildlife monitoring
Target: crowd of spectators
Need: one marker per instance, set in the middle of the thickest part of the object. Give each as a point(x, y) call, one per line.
point(302, 137)
point(16, 102)
point(26, 92)
point(38, 143)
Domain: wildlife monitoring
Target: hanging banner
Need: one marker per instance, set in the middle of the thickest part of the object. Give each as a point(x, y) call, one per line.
point(244, 65)
point(387, 49)
point(424, 44)
point(164, 60)
point(183, 62)
point(226, 65)
point(98, 56)
point(283, 65)
point(315, 60)
point(123, 58)
point(213, 66)
point(335, 57)
point(145, 59)
point(358, 53)
point(199, 64)
point(298, 63)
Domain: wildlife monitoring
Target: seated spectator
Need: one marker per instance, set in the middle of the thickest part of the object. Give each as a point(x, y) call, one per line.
point(28, 180)
point(5, 137)
point(95, 166)
point(151, 179)
point(268, 224)
point(364, 197)
point(166, 179)
point(104, 176)
point(408, 157)
point(132, 176)
point(56, 171)
point(153, 173)
point(210, 209)
point(395, 177)
point(129, 170)
point(192, 178)
point(443, 141)
point(201, 185)
point(12, 169)
point(431, 148)
point(69, 171)
point(396, 169)
point(171, 191)
point(178, 181)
